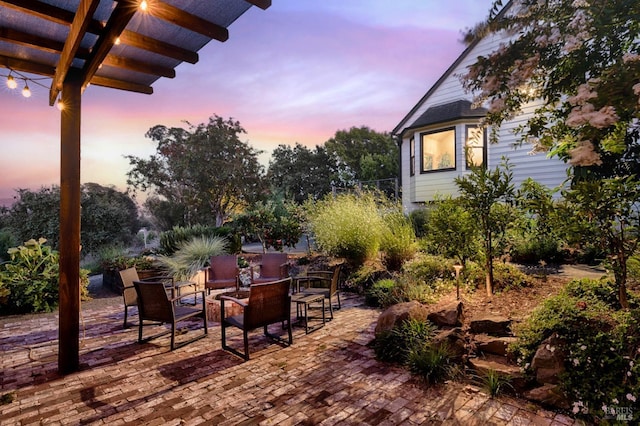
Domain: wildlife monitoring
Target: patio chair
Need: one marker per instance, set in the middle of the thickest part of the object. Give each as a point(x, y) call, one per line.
point(128, 276)
point(273, 267)
point(222, 272)
point(323, 282)
point(268, 303)
point(155, 305)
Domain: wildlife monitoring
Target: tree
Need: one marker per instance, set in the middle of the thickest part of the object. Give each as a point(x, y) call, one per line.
point(580, 61)
point(109, 217)
point(363, 154)
point(206, 169)
point(300, 173)
point(486, 195)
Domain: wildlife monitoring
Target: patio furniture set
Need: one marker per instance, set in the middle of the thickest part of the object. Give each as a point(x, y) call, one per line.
point(267, 301)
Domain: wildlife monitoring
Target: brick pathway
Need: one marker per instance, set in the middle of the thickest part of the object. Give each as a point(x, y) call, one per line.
point(327, 377)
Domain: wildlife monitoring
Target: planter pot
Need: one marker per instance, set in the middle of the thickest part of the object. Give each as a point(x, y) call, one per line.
point(230, 308)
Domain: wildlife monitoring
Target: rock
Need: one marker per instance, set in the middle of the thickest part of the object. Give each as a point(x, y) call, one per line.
point(454, 339)
point(549, 395)
point(492, 325)
point(448, 315)
point(548, 362)
point(396, 314)
point(493, 345)
point(516, 378)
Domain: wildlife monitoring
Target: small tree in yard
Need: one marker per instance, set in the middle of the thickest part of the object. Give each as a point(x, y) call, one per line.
point(484, 193)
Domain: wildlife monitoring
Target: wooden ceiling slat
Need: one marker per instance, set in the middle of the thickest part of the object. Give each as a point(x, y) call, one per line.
point(149, 44)
point(262, 4)
point(83, 16)
point(186, 20)
point(122, 85)
point(22, 65)
point(139, 66)
point(36, 42)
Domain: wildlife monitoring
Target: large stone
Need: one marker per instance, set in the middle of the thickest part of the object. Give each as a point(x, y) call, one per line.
point(516, 377)
point(548, 361)
point(454, 339)
point(396, 314)
point(448, 315)
point(492, 325)
point(492, 344)
point(548, 395)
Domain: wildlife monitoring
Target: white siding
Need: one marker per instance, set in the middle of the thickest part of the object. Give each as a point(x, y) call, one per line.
point(422, 188)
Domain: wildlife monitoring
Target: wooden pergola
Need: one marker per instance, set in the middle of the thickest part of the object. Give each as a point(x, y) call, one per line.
point(121, 44)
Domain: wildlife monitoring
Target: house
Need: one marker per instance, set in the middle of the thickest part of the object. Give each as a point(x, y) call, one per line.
point(434, 136)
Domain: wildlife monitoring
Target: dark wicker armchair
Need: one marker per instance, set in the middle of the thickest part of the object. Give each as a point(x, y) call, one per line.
point(128, 276)
point(268, 303)
point(155, 305)
point(323, 282)
point(222, 272)
point(273, 266)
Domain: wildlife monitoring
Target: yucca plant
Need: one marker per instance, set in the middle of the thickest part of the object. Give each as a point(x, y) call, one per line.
point(192, 256)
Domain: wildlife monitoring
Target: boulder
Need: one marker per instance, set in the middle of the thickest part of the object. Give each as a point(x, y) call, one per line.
point(548, 395)
point(449, 315)
point(396, 314)
point(516, 377)
point(492, 325)
point(454, 339)
point(492, 344)
point(548, 361)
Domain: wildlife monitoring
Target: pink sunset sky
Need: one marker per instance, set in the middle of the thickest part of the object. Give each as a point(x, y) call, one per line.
point(297, 72)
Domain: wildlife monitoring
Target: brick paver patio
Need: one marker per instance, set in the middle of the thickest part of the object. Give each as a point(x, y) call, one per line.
point(327, 377)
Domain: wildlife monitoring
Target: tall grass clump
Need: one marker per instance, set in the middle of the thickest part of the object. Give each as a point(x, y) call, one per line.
point(347, 226)
point(193, 256)
point(398, 240)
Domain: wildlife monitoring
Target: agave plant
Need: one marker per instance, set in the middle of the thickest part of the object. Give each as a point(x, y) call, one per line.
point(193, 256)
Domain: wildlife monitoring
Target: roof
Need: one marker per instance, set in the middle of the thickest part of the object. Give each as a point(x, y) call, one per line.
point(114, 44)
point(448, 112)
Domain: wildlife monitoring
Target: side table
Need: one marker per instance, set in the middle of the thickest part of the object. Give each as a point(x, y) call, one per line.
point(303, 302)
point(179, 285)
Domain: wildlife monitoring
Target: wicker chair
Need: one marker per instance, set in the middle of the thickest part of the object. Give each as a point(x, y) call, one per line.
point(222, 272)
point(128, 276)
point(268, 303)
point(323, 282)
point(155, 305)
point(273, 267)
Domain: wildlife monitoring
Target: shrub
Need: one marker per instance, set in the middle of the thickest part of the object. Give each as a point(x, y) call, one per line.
point(171, 241)
point(115, 258)
point(531, 249)
point(505, 276)
point(347, 226)
point(431, 362)
point(398, 240)
point(596, 336)
point(192, 257)
point(7, 240)
point(29, 281)
point(396, 344)
point(379, 292)
point(419, 219)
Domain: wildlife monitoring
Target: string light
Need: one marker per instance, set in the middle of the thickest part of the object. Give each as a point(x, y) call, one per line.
point(60, 104)
point(11, 82)
point(143, 5)
point(26, 92)
point(14, 76)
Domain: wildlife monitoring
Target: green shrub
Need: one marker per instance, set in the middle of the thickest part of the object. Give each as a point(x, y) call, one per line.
point(116, 258)
point(347, 226)
point(396, 344)
point(172, 240)
point(595, 336)
point(495, 383)
point(431, 362)
point(7, 240)
point(192, 257)
point(379, 291)
point(531, 249)
point(29, 281)
point(505, 276)
point(419, 219)
point(398, 242)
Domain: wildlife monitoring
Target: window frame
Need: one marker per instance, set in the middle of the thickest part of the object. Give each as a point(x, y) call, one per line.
point(455, 150)
point(468, 166)
point(412, 156)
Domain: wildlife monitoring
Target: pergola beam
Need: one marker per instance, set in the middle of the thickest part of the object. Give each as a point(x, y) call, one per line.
point(186, 20)
point(81, 21)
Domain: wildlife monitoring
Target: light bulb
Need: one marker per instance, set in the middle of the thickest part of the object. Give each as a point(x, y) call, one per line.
point(143, 5)
point(26, 92)
point(11, 82)
point(60, 104)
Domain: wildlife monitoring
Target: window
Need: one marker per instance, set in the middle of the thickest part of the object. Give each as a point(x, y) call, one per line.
point(438, 150)
point(475, 146)
point(412, 156)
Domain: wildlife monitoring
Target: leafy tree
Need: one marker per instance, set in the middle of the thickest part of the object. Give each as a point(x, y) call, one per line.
point(363, 154)
point(300, 173)
point(580, 61)
point(206, 169)
point(485, 194)
point(109, 217)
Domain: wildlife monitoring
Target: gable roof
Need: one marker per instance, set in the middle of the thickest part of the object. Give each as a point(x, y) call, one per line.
point(401, 126)
point(448, 112)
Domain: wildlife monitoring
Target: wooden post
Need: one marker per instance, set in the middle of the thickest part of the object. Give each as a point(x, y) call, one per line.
point(69, 306)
